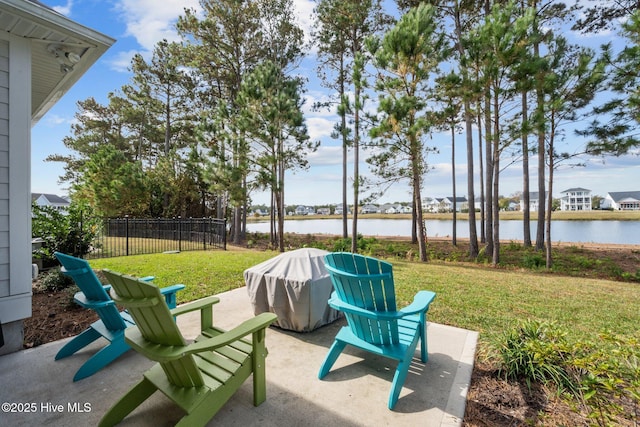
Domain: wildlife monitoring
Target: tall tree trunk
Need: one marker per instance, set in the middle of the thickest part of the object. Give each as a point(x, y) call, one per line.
point(417, 201)
point(526, 214)
point(541, 152)
point(468, 119)
point(453, 172)
point(414, 224)
point(488, 140)
point(345, 146)
point(356, 169)
point(483, 238)
point(549, 259)
point(496, 180)
point(281, 169)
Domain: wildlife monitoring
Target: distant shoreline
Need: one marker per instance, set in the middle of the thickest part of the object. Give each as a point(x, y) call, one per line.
point(594, 215)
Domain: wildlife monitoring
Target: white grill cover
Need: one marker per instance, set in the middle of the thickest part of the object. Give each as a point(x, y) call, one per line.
point(296, 287)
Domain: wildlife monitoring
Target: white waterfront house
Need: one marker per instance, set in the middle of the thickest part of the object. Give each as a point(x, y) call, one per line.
point(42, 54)
point(622, 201)
point(534, 201)
point(575, 199)
point(446, 204)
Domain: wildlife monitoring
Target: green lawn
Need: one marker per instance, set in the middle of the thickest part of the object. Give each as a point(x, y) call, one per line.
point(478, 298)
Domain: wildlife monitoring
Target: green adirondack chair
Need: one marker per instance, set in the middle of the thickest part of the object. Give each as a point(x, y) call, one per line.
point(112, 323)
point(364, 291)
point(198, 377)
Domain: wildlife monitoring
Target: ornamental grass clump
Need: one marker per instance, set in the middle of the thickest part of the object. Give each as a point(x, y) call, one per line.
point(537, 352)
point(604, 377)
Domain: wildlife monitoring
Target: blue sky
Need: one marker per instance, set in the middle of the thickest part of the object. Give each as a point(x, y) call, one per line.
point(138, 24)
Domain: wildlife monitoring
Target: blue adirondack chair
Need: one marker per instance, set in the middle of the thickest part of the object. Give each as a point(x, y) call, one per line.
point(364, 291)
point(112, 323)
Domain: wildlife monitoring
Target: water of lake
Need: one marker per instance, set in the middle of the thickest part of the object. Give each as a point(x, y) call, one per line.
point(619, 232)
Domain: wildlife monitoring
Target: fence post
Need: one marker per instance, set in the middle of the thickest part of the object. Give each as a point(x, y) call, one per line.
point(179, 233)
point(224, 234)
point(126, 234)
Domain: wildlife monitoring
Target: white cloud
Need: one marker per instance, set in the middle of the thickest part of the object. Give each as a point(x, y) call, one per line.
point(319, 128)
point(122, 60)
point(64, 10)
point(55, 120)
point(150, 21)
point(304, 11)
point(326, 156)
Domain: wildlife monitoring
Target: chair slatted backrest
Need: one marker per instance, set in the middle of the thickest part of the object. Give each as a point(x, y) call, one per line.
point(367, 283)
point(148, 308)
point(82, 274)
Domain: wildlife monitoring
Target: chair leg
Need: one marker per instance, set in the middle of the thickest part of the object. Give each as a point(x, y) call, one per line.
point(424, 354)
point(398, 381)
point(331, 358)
point(258, 368)
point(88, 336)
point(200, 415)
point(102, 358)
point(130, 401)
point(401, 373)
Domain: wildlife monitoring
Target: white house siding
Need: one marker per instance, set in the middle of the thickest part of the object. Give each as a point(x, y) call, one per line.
point(15, 191)
point(4, 170)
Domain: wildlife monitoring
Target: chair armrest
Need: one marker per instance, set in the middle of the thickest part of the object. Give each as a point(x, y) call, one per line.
point(356, 275)
point(259, 322)
point(170, 294)
point(340, 305)
point(172, 289)
point(81, 299)
point(420, 303)
point(147, 278)
point(195, 305)
point(168, 353)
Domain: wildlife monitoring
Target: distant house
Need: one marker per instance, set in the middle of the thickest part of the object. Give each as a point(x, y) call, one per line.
point(305, 210)
point(622, 200)
point(391, 208)
point(339, 209)
point(513, 206)
point(51, 200)
point(446, 204)
point(431, 205)
point(534, 201)
point(324, 211)
point(367, 209)
point(575, 199)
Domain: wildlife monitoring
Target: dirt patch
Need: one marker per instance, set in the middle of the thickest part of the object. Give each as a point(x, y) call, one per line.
point(55, 316)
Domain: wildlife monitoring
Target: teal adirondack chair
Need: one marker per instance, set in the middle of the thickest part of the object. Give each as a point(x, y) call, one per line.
point(364, 291)
point(198, 377)
point(112, 323)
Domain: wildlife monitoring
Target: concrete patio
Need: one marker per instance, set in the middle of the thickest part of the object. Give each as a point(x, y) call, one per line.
point(355, 392)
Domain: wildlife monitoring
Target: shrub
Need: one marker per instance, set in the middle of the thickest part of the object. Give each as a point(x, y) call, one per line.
point(70, 233)
point(610, 379)
point(536, 352)
point(54, 280)
point(534, 261)
point(605, 376)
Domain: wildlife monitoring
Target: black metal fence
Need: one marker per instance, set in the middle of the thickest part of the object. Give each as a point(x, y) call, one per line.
point(137, 236)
